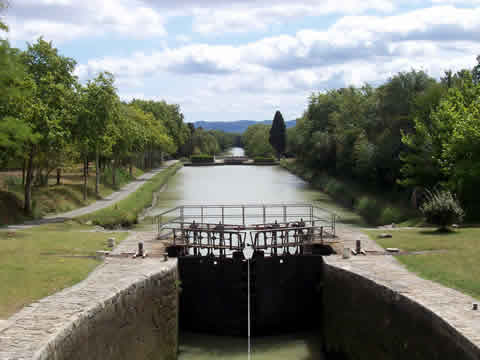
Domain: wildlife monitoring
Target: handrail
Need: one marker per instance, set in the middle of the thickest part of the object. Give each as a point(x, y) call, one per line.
point(263, 210)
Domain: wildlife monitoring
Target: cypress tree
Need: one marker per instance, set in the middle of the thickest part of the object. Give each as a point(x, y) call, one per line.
point(278, 134)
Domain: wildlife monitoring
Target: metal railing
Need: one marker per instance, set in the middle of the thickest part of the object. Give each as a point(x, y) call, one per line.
point(248, 216)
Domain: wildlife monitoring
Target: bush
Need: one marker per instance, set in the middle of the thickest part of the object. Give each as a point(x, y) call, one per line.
point(391, 215)
point(263, 159)
point(202, 159)
point(369, 209)
point(441, 208)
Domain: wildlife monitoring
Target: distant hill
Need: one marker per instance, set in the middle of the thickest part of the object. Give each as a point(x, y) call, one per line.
point(235, 126)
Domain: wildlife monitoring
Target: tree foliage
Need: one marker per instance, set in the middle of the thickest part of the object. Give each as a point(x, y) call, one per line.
point(256, 141)
point(48, 120)
point(408, 134)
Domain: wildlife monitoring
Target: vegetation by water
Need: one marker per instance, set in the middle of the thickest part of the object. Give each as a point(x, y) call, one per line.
point(126, 211)
point(38, 262)
point(50, 122)
point(376, 207)
point(458, 254)
point(411, 133)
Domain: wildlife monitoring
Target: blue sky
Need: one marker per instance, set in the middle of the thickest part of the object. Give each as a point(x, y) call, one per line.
point(224, 60)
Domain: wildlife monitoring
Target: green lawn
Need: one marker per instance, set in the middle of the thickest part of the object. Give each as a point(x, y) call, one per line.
point(457, 267)
point(32, 265)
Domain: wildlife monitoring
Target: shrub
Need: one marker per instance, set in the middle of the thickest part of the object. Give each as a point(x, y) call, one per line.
point(441, 208)
point(13, 180)
point(201, 159)
point(369, 209)
point(263, 159)
point(392, 214)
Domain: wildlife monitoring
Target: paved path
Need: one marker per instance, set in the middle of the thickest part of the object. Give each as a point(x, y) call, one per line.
point(451, 305)
point(97, 205)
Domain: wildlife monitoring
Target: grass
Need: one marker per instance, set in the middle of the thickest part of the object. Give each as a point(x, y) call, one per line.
point(456, 267)
point(125, 212)
point(53, 198)
point(34, 262)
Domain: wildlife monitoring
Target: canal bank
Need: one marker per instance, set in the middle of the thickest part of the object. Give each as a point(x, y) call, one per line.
point(371, 304)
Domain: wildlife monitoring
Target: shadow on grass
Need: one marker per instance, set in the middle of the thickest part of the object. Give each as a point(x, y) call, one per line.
point(438, 232)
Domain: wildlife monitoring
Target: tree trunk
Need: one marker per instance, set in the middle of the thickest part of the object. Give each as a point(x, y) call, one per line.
point(97, 172)
point(23, 171)
point(130, 168)
point(85, 179)
point(114, 173)
point(88, 166)
point(27, 207)
point(59, 176)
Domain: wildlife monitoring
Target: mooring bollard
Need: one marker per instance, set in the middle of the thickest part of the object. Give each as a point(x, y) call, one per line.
point(140, 249)
point(111, 242)
point(358, 247)
point(475, 307)
point(346, 253)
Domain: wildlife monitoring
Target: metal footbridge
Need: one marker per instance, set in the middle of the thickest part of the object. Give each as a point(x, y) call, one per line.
point(226, 230)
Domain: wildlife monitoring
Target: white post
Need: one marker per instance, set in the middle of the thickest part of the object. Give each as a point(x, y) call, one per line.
point(248, 284)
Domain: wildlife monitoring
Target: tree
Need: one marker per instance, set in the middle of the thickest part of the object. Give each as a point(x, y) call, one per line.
point(3, 6)
point(278, 134)
point(255, 140)
point(96, 128)
point(49, 109)
point(476, 72)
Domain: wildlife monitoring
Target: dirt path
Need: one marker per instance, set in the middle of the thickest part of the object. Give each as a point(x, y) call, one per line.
point(100, 204)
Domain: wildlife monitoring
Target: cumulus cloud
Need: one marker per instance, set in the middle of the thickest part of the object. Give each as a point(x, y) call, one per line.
point(247, 16)
point(62, 20)
point(354, 50)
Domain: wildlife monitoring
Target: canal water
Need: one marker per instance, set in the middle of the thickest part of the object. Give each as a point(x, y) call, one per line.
point(243, 185)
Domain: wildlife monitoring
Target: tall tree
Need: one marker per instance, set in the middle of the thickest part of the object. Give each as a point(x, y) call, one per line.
point(476, 71)
point(278, 134)
point(97, 125)
point(50, 112)
point(3, 6)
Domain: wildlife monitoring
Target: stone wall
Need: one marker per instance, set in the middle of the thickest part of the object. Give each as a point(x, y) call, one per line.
point(366, 320)
point(127, 309)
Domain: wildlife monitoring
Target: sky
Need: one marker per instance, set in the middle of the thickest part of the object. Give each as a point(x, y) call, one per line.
point(225, 60)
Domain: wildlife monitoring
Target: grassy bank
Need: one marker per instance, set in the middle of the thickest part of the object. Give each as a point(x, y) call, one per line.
point(52, 198)
point(38, 262)
point(376, 207)
point(453, 265)
point(125, 212)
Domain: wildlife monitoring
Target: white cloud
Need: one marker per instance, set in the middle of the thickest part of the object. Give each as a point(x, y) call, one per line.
point(62, 20)
point(354, 50)
point(245, 16)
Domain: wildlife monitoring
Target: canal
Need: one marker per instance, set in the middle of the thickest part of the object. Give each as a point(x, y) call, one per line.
point(243, 185)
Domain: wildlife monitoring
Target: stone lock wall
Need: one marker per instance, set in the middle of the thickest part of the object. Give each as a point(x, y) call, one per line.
point(139, 322)
point(365, 320)
point(126, 310)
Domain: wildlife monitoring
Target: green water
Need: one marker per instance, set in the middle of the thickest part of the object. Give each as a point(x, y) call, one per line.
point(244, 185)
point(203, 347)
